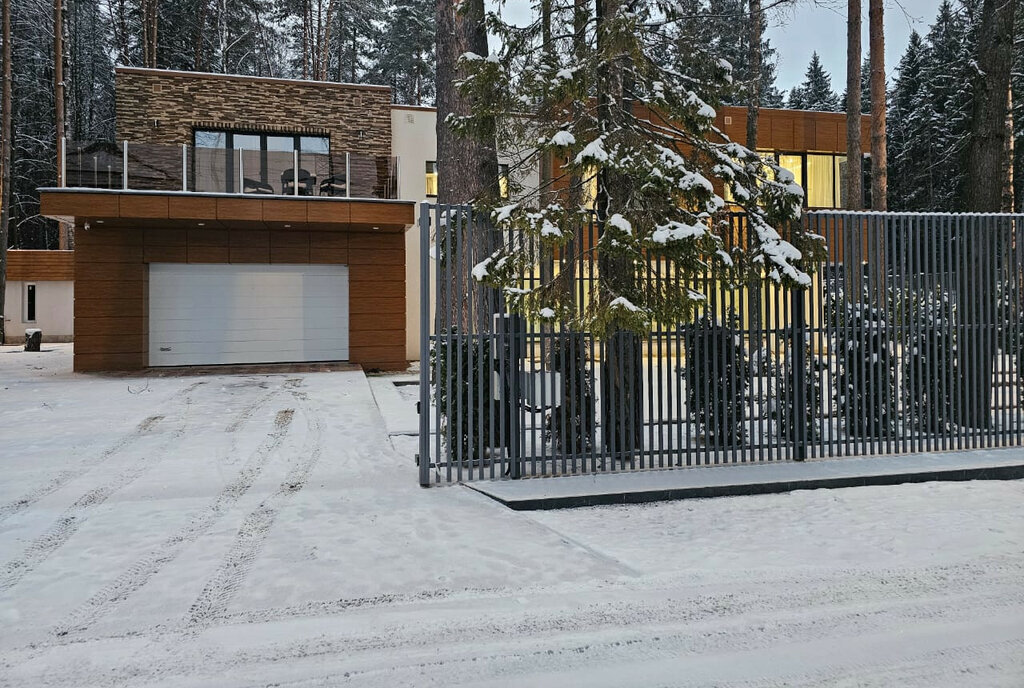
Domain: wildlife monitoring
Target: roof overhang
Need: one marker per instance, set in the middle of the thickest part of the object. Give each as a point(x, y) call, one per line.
point(140, 209)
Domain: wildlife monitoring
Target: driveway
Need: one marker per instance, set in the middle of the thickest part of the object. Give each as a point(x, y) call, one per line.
point(236, 530)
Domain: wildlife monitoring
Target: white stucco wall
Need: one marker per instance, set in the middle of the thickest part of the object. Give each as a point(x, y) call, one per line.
point(414, 141)
point(55, 311)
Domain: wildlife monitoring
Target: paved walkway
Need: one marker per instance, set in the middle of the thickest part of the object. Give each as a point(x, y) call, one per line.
point(766, 478)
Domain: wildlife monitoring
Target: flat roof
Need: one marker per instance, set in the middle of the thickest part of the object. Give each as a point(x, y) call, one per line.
point(244, 77)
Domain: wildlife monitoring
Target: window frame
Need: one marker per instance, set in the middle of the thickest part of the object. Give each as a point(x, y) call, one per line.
point(30, 302)
point(230, 150)
point(430, 170)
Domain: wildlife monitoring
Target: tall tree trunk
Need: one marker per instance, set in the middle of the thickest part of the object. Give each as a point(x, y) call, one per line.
point(986, 155)
point(547, 48)
point(1008, 158)
point(621, 364)
point(754, 58)
point(467, 169)
point(63, 231)
point(853, 190)
point(5, 157)
point(879, 170)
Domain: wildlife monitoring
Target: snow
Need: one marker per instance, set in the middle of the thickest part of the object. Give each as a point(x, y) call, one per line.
point(593, 151)
point(548, 229)
point(624, 303)
point(480, 270)
point(546, 313)
point(242, 530)
point(620, 223)
point(676, 231)
point(563, 138)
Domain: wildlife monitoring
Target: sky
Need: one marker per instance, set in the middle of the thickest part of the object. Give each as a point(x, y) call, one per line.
point(797, 32)
point(817, 25)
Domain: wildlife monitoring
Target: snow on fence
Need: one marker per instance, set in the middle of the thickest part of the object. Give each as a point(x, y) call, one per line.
point(909, 340)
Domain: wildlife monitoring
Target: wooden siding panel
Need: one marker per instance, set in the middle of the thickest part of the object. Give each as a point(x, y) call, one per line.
point(382, 241)
point(97, 362)
point(289, 247)
point(375, 289)
point(369, 338)
point(106, 326)
point(391, 319)
point(108, 289)
point(111, 343)
point(150, 207)
point(132, 307)
point(389, 256)
point(278, 210)
point(249, 247)
point(368, 212)
point(40, 266)
point(328, 247)
point(192, 208)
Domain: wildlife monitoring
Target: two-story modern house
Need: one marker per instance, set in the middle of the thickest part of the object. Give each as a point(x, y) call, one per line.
point(246, 220)
point(243, 220)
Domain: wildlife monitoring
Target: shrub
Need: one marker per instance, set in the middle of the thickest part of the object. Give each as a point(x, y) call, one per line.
point(717, 375)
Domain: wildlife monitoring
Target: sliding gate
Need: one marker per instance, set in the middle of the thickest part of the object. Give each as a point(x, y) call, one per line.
point(908, 340)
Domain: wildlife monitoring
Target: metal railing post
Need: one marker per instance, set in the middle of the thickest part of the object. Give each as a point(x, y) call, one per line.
point(184, 167)
point(348, 175)
point(295, 172)
point(398, 161)
point(64, 162)
point(241, 173)
point(124, 166)
point(424, 406)
point(799, 414)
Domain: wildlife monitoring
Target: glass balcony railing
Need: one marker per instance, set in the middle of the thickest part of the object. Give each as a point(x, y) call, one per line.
point(131, 166)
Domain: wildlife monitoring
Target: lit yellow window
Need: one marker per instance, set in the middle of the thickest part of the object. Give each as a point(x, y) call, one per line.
point(821, 181)
point(503, 180)
point(431, 177)
point(840, 179)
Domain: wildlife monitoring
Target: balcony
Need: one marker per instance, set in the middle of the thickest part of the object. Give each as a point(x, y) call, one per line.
point(133, 166)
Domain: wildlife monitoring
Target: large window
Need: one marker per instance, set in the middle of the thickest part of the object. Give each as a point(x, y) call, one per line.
point(259, 162)
point(819, 174)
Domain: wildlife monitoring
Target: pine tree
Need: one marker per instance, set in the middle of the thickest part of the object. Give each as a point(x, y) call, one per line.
point(650, 197)
point(815, 93)
point(911, 155)
point(406, 58)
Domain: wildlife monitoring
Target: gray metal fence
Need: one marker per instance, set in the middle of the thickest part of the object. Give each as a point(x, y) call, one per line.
point(909, 340)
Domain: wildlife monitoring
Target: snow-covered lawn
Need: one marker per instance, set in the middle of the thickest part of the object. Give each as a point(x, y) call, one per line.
point(261, 530)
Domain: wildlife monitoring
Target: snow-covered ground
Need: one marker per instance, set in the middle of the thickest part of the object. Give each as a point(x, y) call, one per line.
point(261, 530)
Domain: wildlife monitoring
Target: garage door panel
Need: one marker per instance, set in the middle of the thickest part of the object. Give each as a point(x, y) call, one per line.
point(219, 313)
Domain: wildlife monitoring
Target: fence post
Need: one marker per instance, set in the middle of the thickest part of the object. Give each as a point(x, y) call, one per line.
point(124, 166)
point(64, 163)
point(348, 175)
point(424, 405)
point(184, 167)
point(799, 381)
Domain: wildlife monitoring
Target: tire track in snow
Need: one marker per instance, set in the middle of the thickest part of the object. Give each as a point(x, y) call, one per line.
point(501, 643)
point(140, 572)
point(71, 519)
point(212, 602)
point(64, 477)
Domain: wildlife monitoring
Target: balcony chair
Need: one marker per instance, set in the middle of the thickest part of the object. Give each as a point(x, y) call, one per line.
point(334, 186)
point(255, 186)
point(307, 182)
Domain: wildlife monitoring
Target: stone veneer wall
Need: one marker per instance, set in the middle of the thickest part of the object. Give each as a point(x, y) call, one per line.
point(159, 106)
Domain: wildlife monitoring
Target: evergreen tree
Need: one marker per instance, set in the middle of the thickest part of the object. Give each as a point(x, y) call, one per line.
point(911, 119)
point(406, 58)
point(720, 25)
point(815, 93)
point(865, 89)
point(650, 198)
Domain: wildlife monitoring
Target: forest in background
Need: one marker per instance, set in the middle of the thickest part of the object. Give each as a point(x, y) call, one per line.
point(393, 43)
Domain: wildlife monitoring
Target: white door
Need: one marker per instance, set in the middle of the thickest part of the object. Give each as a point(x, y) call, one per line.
point(210, 314)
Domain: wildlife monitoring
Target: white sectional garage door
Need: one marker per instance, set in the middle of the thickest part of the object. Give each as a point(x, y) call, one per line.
point(211, 314)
